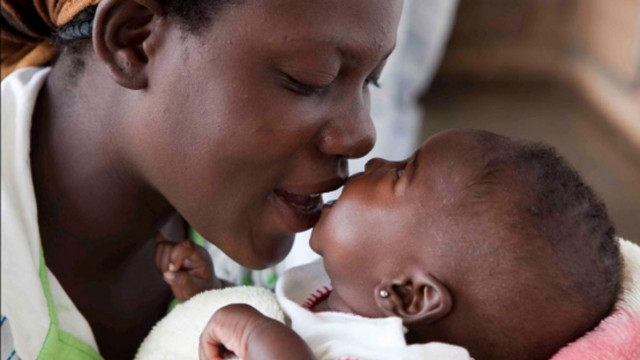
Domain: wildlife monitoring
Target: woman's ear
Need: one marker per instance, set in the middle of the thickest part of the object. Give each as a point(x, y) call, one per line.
point(120, 29)
point(417, 298)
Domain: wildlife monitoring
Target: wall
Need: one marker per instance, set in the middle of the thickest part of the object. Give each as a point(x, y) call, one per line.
point(594, 45)
point(604, 59)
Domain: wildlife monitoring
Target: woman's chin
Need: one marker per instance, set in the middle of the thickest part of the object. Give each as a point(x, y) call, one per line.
point(268, 251)
point(291, 217)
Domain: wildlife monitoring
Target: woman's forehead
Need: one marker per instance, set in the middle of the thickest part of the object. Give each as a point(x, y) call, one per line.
point(354, 27)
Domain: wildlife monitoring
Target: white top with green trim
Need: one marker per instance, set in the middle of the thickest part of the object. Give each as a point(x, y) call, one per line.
point(42, 320)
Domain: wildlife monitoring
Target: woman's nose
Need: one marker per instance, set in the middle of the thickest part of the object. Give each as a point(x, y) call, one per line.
point(352, 135)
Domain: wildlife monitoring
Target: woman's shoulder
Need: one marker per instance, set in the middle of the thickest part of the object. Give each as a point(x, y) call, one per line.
point(24, 77)
point(19, 92)
point(7, 350)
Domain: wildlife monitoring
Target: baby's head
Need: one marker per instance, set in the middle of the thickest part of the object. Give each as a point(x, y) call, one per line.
point(476, 240)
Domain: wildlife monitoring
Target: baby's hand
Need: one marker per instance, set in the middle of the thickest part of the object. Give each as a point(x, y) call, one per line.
point(244, 331)
point(186, 267)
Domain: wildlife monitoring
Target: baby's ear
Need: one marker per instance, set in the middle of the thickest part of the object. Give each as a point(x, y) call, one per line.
point(416, 298)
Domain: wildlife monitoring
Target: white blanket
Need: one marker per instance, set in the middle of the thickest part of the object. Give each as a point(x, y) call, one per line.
point(176, 336)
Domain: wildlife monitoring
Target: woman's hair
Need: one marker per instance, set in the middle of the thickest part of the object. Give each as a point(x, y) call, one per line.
point(192, 15)
point(195, 15)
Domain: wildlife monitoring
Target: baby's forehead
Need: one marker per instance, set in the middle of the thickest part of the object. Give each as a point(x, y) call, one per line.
point(457, 159)
point(480, 184)
point(477, 147)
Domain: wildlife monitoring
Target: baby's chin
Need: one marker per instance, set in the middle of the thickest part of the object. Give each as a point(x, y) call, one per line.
point(319, 228)
point(315, 238)
point(335, 303)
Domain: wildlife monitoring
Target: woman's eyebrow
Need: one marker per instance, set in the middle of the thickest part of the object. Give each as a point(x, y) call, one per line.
point(358, 55)
point(354, 51)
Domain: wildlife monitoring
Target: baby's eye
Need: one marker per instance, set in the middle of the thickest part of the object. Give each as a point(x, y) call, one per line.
point(399, 172)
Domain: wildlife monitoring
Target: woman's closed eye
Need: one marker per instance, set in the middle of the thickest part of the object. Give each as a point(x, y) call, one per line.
point(307, 90)
point(304, 89)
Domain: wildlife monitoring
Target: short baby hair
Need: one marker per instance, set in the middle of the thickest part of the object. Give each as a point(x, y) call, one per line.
point(557, 205)
point(552, 211)
point(566, 212)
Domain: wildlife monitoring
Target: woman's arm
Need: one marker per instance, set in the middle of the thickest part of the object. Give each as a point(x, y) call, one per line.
point(244, 331)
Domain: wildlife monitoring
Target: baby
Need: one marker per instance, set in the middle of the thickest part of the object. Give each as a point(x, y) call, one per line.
point(477, 240)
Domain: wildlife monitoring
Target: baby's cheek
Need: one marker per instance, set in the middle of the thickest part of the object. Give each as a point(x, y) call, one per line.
point(348, 228)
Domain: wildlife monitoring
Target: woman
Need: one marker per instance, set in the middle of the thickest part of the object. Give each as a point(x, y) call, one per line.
point(235, 114)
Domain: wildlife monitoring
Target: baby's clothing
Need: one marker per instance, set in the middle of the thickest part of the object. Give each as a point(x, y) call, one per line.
point(334, 335)
point(330, 335)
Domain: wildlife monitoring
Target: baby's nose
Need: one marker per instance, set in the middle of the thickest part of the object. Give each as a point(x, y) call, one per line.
point(373, 164)
point(377, 163)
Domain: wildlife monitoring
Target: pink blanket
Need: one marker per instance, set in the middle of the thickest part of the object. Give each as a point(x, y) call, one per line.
point(617, 337)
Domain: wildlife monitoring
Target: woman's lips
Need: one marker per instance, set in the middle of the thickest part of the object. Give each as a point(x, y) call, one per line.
point(299, 207)
point(297, 212)
point(304, 203)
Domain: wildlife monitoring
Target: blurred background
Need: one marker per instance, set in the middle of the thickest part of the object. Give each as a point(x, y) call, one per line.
point(566, 72)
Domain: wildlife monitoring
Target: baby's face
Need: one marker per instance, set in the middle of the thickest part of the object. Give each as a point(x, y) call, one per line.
point(394, 216)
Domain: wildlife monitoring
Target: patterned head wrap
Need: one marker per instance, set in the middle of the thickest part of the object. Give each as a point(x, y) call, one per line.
point(27, 30)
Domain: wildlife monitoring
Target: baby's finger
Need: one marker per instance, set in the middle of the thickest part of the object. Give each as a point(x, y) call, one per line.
point(202, 267)
point(163, 255)
point(157, 255)
point(215, 341)
point(180, 286)
point(209, 345)
point(208, 352)
point(180, 253)
point(199, 262)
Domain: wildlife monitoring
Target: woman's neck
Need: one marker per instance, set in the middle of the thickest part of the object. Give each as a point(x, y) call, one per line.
point(86, 192)
point(96, 217)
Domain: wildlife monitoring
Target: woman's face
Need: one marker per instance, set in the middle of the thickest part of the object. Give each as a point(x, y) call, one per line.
point(256, 115)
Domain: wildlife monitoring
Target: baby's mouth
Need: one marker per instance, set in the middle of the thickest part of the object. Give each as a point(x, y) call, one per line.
point(330, 203)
